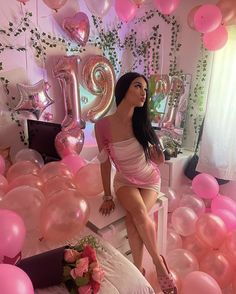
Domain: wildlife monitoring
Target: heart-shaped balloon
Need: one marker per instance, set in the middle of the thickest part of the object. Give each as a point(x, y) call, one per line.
point(69, 142)
point(77, 27)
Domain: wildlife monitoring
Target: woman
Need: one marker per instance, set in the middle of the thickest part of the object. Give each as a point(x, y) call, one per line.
point(127, 139)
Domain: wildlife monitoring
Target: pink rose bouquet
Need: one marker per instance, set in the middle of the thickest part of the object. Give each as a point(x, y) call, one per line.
point(81, 272)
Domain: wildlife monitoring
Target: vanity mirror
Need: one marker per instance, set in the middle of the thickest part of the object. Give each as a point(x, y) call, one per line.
point(169, 97)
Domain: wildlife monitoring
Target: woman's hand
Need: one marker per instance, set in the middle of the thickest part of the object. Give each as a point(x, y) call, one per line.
point(107, 207)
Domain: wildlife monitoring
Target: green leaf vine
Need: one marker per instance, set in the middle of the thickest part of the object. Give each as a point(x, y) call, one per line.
point(146, 52)
point(197, 95)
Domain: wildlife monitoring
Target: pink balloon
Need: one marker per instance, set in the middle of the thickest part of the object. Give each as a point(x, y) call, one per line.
point(190, 18)
point(218, 267)
point(234, 283)
point(77, 27)
point(125, 9)
point(183, 220)
point(182, 262)
point(199, 282)
point(166, 6)
point(196, 204)
point(2, 165)
point(228, 217)
point(229, 247)
point(139, 2)
point(174, 240)
point(69, 141)
point(3, 185)
point(228, 10)
point(55, 4)
point(223, 202)
point(64, 215)
point(89, 180)
point(55, 168)
point(12, 233)
point(14, 280)
point(27, 202)
point(22, 168)
point(56, 184)
point(177, 280)
point(28, 180)
point(211, 230)
point(28, 154)
point(216, 39)
point(74, 162)
point(173, 198)
point(207, 18)
point(98, 8)
point(205, 186)
point(193, 244)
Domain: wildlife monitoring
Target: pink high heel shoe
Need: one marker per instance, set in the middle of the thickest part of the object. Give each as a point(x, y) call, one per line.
point(167, 283)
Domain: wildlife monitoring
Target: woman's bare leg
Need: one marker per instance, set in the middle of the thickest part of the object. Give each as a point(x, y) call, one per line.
point(135, 241)
point(131, 200)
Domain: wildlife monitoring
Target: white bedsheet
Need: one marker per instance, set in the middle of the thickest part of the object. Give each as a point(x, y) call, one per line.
point(121, 276)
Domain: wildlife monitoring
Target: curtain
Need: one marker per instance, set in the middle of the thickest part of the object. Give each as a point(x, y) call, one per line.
point(218, 146)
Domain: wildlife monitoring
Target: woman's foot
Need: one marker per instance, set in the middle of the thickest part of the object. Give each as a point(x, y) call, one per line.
point(166, 280)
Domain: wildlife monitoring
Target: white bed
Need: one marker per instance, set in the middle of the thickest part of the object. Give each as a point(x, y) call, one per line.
point(121, 276)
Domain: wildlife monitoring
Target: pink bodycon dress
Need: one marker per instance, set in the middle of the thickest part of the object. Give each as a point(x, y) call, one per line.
point(128, 156)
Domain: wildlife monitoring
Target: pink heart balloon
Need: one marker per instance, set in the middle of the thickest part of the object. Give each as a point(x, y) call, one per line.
point(77, 27)
point(69, 142)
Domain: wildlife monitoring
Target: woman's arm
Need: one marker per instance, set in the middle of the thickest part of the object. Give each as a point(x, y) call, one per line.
point(105, 167)
point(157, 155)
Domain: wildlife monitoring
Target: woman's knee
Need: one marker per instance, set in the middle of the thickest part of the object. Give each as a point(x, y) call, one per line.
point(139, 215)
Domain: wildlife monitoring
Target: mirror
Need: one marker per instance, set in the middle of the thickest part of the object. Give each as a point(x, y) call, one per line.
point(168, 103)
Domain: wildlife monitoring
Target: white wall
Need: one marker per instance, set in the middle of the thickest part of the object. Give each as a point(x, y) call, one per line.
point(22, 67)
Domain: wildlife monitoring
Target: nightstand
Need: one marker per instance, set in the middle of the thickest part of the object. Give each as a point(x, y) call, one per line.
point(172, 171)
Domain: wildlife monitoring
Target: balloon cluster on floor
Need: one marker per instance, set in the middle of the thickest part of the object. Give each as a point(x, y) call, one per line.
point(201, 238)
point(44, 202)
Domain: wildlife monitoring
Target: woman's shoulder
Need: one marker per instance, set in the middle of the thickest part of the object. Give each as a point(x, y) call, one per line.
point(104, 121)
point(102, 127)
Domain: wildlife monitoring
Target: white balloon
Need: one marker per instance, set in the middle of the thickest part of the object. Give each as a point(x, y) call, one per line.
point(99, 8)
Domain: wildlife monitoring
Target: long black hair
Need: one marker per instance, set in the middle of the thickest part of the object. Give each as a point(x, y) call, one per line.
point(141, 123)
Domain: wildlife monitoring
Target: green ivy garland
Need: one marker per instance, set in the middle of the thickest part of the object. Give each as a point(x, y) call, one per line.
point(197, 95)
point(145, 52)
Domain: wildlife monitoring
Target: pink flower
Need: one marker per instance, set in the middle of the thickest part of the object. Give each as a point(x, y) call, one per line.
point(81, 267)
point(98, 274)
point(90, 252)
point(95, 286)
point(87, 289)
point(70, 255)
point(92, 265)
